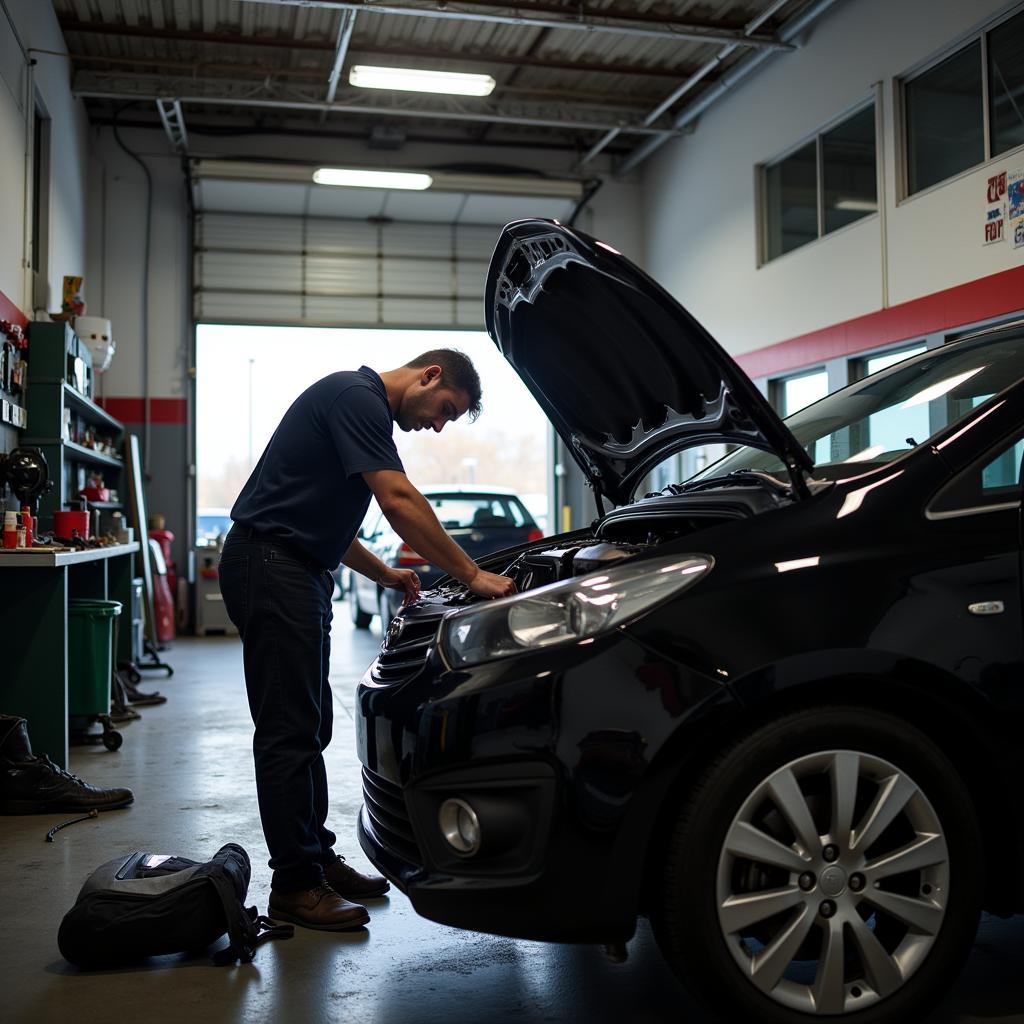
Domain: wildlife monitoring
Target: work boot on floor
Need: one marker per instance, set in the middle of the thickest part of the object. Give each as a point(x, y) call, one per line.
point(352, 884)
point(320, 907)
point(35, 785)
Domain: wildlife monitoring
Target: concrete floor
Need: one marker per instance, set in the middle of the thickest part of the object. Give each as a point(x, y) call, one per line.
point(189, 762)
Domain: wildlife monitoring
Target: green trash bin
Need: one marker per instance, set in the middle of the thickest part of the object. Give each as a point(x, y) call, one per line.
point(90, 662)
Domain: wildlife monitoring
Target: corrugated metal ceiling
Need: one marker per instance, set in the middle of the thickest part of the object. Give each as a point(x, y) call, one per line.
point(222, 50)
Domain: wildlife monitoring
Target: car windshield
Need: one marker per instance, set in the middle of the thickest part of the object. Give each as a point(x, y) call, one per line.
point(885, 415)
point(462, 511)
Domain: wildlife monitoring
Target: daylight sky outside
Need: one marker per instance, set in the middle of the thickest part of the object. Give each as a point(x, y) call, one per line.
point(507, 445)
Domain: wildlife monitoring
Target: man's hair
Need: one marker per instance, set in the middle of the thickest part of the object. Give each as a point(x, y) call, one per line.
point(457, 371)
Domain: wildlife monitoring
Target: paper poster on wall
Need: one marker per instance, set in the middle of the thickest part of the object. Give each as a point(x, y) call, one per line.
point(995, 208)
point(1015, 202)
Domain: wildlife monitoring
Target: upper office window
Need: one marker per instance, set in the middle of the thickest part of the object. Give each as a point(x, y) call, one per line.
point(946, 108)
point(826, 184)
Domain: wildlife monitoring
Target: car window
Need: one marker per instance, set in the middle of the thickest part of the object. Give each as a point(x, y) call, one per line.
point(518, 513)
point(462, 511)
point(991, 482)
point(883, 416)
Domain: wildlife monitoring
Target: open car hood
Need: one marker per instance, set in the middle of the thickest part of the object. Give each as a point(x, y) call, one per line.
point(626, 375)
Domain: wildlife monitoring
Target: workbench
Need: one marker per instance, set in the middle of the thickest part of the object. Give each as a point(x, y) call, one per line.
point(35, 588)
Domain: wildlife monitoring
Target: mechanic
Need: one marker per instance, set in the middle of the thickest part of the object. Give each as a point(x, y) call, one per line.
point(295, 519)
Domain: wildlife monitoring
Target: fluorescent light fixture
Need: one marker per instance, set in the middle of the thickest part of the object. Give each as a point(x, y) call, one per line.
point(452, 83)
point(351, 178)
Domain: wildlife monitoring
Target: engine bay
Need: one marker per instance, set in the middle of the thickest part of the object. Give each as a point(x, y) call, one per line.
point(626, 532)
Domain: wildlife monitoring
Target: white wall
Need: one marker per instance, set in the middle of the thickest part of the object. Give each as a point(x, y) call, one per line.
point(700, 216)
point(116, 260)
point(36, 25)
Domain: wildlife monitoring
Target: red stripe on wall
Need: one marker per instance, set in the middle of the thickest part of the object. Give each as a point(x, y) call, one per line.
point(966, 303)
point(161, 410)
point(9, 311)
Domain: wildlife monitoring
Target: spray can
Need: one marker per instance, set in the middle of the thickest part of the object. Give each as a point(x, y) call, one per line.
point(29, 524)
point(21, 530)
point(10, 529)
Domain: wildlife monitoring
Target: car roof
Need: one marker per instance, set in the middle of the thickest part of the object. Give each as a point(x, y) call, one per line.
point(468, 489)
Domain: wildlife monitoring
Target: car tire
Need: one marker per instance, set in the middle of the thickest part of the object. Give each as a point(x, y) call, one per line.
point(719, 933)
point(360, 619)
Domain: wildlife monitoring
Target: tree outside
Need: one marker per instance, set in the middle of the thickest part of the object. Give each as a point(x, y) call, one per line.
point(248, 376)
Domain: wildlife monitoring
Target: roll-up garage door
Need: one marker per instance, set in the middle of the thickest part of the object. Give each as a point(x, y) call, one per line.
point(320, 271)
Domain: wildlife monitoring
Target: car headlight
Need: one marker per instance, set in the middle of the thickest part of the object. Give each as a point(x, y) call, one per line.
point(566, 612)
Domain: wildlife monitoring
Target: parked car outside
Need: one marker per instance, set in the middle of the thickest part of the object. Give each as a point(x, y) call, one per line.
point(212, 525)
point(776, 708)
point(480, 519)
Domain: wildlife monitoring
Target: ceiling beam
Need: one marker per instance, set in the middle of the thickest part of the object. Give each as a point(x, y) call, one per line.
point(698, 76)
point(219, 129)
point(195, 69)
point(173, 119)
point(791, 29)
point(346, 23)
point(317, 46)
point(521, 17)
point(149, 89)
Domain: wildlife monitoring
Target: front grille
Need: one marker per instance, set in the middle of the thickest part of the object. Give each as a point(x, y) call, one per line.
point(404, 659)
point(401, 663)
point(386, 808)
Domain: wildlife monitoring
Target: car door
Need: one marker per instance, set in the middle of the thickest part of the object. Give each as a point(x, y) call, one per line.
point(978, 513)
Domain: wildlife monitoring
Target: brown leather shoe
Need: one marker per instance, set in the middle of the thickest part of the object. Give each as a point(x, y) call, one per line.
point(352, 884)
point(320, 907)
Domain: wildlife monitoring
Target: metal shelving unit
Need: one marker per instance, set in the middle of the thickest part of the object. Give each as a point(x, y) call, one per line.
point(53, 402)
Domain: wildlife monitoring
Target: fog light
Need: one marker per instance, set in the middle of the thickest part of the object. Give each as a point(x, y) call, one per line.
point(460, 827)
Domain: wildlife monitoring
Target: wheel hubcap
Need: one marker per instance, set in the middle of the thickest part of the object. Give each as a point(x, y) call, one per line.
point(833, 882)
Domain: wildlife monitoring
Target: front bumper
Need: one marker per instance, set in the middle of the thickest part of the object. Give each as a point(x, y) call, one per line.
point(497, 737)
point(557, 753)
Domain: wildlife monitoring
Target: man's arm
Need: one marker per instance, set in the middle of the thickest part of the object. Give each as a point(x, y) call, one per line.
point(366, 563)
point(414, 521)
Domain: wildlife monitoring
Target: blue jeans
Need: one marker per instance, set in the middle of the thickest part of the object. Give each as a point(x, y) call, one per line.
point(281, 604)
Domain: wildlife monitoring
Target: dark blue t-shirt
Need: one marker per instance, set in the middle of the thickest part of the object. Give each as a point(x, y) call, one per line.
point(306, 488)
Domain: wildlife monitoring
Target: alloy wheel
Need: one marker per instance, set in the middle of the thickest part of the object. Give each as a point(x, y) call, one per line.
point(833, 882)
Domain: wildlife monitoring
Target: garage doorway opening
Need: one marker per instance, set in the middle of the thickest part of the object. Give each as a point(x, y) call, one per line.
point(247, 376)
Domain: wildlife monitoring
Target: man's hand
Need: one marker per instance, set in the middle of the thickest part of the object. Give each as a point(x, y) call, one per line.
point(402, 579)
point(489, 584)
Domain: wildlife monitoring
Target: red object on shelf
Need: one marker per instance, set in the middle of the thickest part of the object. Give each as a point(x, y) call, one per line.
point(96, 493)
point(65, 522)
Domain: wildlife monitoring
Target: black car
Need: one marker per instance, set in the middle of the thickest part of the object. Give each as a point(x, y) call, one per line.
point(777, 709)
point(481, 520)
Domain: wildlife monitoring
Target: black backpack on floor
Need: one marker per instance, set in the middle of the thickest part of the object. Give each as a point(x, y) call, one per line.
point(148, 904)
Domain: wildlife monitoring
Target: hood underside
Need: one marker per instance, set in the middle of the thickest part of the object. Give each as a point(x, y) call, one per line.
point(626, 375)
